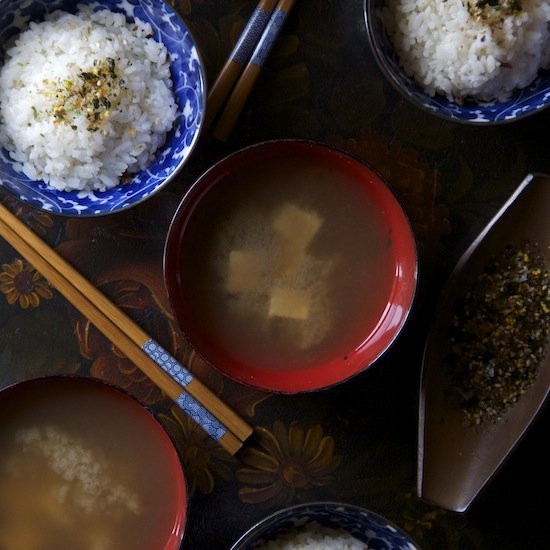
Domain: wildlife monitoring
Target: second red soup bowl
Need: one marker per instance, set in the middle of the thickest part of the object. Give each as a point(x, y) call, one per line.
point(290, 266)
point(85, 465)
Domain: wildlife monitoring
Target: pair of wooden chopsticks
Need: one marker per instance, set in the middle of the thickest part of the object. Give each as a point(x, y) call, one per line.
point(165, 371)
point(244, 65)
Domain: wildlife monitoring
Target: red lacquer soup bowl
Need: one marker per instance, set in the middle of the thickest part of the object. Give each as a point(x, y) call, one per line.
point(290, 266)
point(84, 465)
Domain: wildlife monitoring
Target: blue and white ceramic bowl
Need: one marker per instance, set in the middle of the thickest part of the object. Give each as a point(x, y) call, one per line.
point(370, 528)
point(522, 103)
point(189, 88)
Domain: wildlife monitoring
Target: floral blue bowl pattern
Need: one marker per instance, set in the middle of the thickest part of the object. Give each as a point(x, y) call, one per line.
point(526, 101)
point(366, 526)
point(189, 89)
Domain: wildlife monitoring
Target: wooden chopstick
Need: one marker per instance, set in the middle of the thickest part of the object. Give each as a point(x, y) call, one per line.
point(238, 57)
point(250, 73)
point(212, 414)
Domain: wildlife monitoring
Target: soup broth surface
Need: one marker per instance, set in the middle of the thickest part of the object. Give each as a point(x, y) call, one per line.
point(288, 264)
point(84, 467)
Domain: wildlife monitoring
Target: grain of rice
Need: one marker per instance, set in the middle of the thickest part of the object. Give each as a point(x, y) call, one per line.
point(85, 98)
point(314, 536)
point(470, 48)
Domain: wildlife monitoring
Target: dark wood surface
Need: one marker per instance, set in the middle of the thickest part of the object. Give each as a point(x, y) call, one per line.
point(320, 83)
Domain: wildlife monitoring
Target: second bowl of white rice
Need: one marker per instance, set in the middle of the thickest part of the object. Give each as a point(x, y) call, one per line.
point(470, 61)
point(325, 526)
point(101, 103)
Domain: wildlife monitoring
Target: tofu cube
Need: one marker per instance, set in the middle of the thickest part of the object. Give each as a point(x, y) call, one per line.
point(244, 272)
point(297, 226)
point(289, 303)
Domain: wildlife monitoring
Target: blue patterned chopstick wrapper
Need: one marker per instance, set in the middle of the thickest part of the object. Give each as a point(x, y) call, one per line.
point(183, 377)
point(249, 37)
point(267, 40)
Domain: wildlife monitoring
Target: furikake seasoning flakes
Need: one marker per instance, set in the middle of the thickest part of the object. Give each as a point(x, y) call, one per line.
point(499, 334)
point(91, 95)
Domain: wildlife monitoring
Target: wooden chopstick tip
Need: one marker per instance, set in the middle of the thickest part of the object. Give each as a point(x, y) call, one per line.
point(236, 88)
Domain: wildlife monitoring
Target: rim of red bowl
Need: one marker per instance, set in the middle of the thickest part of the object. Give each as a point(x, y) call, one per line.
point(339, 369)
point(174, 540)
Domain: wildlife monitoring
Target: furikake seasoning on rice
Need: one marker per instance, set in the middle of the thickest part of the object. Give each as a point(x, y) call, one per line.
point(86, 99)
point(470, 49)
point(500, 333)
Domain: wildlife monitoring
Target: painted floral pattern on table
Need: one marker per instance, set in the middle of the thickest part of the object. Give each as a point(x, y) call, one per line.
point(206, 463)
point(285, 462)
point(22, 284)
point(355, 442)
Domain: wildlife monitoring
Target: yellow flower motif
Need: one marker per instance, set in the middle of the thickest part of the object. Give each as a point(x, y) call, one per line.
point(286, 462)
point(417, 521)
point(21, 283)
point(203, 458)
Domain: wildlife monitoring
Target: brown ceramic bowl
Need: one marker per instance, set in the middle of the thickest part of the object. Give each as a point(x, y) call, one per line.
point(456, 458)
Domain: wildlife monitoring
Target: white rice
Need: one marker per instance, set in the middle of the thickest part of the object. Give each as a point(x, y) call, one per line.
point(314, 536)
point(75, 148)
point(460, 54)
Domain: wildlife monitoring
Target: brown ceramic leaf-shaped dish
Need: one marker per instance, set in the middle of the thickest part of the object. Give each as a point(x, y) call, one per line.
point(455, 458)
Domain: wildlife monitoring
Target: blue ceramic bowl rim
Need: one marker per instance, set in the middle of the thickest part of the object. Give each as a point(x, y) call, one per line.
point(253, 534)
point(493, 114)
point(38, 195)
point(13, 386)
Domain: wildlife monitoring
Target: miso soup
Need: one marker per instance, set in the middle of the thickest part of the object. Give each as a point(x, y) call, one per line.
point(284, 264)
point(84, 466)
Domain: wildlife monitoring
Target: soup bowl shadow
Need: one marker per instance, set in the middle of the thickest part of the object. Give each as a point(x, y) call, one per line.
point(520, 104)
point(323, 317)
point(95, 421)
point(189, 88)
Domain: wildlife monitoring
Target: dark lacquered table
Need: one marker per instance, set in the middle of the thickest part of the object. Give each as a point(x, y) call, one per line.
point(356, 442)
